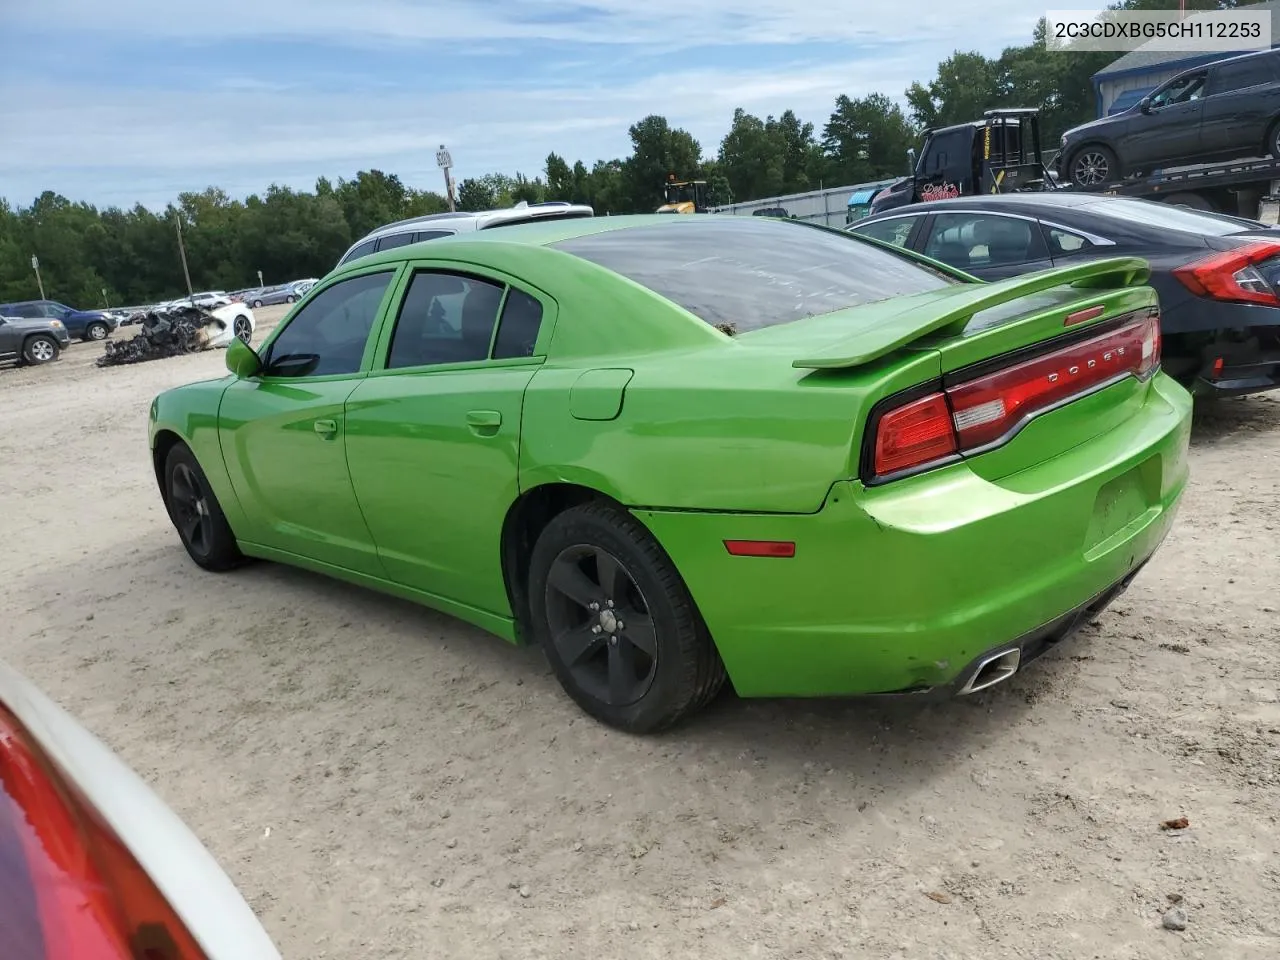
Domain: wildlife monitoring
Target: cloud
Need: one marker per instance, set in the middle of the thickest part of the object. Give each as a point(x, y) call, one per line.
point(669, 23)
point(151, 97)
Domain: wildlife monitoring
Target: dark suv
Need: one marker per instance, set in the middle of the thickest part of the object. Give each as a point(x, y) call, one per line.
point(31, 341)
point(85, 324)
point(1219, 111)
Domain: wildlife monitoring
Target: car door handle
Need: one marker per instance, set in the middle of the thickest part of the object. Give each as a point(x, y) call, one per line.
point(484, 423)
point(327, 429)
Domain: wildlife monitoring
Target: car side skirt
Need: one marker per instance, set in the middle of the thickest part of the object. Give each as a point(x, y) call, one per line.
point(500, 626)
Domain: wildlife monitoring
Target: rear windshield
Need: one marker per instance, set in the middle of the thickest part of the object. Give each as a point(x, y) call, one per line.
point(1170, 217)
point(744, 273)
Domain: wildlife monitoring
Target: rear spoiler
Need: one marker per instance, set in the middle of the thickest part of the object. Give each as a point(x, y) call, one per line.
point(956, 311)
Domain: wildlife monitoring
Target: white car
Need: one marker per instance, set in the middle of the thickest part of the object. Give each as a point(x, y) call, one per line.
point(207, 300)
point(237, 321)
point(437, 225)
point(94, 864)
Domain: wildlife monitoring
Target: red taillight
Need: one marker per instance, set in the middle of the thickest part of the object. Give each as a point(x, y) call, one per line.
point(68, 887)
point(915, 433)
point(1232, 275)
point(982, 411)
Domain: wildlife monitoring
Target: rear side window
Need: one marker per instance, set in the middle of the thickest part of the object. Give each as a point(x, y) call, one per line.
point(745, 273)
point(1242, 74)
point(395, 240)
point(431, 235)
point(518, 327)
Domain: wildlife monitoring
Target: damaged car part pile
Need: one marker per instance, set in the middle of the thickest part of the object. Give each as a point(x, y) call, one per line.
point(166, 333)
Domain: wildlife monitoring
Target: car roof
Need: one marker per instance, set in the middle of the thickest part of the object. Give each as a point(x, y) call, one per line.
point(533, 233)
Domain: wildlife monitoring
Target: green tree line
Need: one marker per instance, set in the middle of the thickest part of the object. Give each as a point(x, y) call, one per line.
point(90, 256)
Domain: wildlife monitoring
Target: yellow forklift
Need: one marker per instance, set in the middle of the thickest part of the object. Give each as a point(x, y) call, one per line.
point(684, 196)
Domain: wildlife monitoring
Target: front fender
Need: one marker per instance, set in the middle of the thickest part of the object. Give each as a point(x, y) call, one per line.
point(189, 414)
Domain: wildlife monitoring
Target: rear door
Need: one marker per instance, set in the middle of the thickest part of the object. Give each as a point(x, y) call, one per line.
point(989, 245)
point(433, 434)
point(1241, 97)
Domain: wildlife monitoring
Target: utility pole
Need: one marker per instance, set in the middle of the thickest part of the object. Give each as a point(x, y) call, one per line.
point(105, 302)
point(35, 265)
point(183, 251)
point(445, 162)
point(260, 283)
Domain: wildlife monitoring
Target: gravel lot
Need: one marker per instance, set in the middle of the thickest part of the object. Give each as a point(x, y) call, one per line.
point(382, 781)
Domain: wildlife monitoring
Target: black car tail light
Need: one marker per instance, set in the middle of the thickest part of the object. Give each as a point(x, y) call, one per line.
point(1233, 275)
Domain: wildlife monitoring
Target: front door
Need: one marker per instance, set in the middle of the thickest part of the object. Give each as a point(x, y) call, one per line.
point(433, 437)
point(1242, 97)
point(283, 432)
point(1170, 131)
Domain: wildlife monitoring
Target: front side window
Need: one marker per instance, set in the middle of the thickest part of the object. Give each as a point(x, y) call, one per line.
point(328, 335)
point(1181, 89)
point(895, 231)
point(445, 318)
point(744, 273)
point(968, 240)
point(56, 310)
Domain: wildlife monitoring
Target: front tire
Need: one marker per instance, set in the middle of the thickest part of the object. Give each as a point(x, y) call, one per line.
point(242, 329)
point(40, 349)
point(196, 513)
point(1093, 166)
point(290, 298)
point(96, 331)
point(617, 623)
point(256, 304)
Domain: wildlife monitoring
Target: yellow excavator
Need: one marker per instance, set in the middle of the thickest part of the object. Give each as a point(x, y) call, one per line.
point(684, 196)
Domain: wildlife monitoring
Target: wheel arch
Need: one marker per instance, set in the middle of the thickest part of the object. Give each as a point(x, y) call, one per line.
point(165, 440)
point(526, 518)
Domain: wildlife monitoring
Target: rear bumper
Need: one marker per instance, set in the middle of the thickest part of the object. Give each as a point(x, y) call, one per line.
point(903, 587)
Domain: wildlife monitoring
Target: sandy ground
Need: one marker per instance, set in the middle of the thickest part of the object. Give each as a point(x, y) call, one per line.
point(382, 781)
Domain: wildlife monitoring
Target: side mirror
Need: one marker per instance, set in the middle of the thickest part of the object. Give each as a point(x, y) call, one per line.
point(242, 361)
point(1145, 104)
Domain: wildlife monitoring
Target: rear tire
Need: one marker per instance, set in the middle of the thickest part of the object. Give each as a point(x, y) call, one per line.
point(256, 304)
point(40, 349)
point(639, 677)
point(1092, 166)
point(290, 298)
point(196, 514)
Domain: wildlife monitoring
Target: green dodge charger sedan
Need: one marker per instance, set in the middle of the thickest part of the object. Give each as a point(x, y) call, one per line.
point(675, 449)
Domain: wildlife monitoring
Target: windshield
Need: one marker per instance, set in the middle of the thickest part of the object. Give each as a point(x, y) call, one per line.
point(681, 193)
point(1170, 217)
point(745, 273)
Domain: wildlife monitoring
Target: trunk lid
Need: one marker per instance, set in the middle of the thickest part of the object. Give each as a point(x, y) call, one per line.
point(1036, 355)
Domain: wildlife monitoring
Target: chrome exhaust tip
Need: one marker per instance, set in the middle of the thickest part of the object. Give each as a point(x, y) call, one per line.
point(996, 668)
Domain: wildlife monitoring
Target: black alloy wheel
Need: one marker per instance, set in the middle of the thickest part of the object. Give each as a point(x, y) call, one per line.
point(601, 626)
